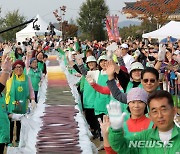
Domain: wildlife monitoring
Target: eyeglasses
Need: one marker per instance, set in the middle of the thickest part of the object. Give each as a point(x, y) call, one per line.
point(20, 67)
point(163, 111)
point(149, 80)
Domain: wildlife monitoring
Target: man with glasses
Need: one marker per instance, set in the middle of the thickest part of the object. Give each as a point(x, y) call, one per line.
point(163, 139)
point(149, 80)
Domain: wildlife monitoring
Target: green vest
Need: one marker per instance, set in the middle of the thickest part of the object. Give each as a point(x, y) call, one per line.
point(72, 71)
point(77, 47)
point(19, 57)
point(101, 100)
point(19, 95)
point(130, 86)
point(4, 122)
point(41, 66)
point(88, 95)
point(35, 76)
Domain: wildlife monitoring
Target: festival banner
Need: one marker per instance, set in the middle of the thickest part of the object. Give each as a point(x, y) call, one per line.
point(112, 27)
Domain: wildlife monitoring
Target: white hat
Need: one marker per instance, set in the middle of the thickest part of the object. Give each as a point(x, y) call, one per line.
point(90, 59)
point(73, 52)
point(124, 45)
point(136, 66)
point(103, 57)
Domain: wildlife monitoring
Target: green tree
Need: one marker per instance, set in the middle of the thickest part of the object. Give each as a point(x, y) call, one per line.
point(11, 19)
point(70, 29)
point(130, 31)
point(92, 16)
point(136, 32)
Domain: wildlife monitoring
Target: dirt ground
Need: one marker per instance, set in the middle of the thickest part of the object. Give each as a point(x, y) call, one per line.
point(97, 143)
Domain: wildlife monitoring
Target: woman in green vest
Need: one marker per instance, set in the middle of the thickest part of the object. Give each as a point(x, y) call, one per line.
point(137, 106)
point(35, 75)
point(89, 95)
point(134, 78)
point(18, 53)
point(41, 63)
point(18, 91)
point(101, 100)
point(4, 120)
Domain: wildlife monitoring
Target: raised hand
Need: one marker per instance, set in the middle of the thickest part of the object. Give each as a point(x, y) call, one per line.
point(162, 52)
point(118, 53)
point(104, 125)
point(7, 65)
point(7, 50)
point(116, 117)
point(79, 60)
point(89, 79)
point(28, 48)
point(110, 69)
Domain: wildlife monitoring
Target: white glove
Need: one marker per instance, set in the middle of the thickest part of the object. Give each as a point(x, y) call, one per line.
point(79, 61)
point(109, 55)
point(89, 79)
point(33, 104)
point(137, 53)
point(17, 117)
point(7, 50)
point(112, 47)
point(6, 65)
point(162, 52)
point(116, 117)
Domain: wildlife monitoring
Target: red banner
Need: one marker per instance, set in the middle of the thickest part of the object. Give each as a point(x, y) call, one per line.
point(112, 27)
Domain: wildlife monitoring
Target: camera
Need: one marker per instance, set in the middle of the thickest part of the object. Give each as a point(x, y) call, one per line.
point(25, 43)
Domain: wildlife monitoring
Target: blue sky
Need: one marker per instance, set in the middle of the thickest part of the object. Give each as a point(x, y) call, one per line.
point(30, 8)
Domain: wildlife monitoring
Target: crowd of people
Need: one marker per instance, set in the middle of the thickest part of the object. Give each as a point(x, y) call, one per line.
point(126, 86)
point(123, 76)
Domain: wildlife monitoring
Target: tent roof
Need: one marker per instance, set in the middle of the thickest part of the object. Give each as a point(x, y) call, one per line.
point(170, 29)
point(43, 28)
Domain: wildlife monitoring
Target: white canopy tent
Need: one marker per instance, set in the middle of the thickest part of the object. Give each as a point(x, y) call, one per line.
point(170, 29)
point(29, 31)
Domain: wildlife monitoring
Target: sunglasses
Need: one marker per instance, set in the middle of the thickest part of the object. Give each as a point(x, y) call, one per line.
point(150, 80)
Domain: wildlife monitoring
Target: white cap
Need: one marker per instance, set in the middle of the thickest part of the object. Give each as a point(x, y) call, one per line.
point(124, 45)
point(136, 66)
point(73, 52)
point(103, 57)
point(90, 59)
